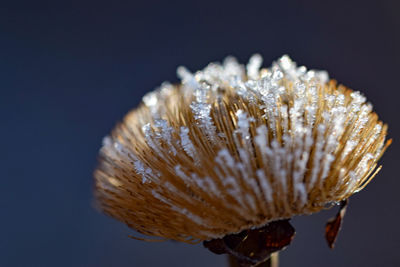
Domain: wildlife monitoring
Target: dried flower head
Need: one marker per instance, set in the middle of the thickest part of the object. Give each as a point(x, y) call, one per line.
point(233, 147)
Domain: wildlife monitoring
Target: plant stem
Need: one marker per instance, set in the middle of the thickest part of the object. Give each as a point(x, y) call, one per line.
point(273, 261)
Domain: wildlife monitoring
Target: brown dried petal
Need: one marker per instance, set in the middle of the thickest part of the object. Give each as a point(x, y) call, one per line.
point(251, 247)
point(333, 226)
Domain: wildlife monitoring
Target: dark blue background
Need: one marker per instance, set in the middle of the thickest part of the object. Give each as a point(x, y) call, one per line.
point(70, 69)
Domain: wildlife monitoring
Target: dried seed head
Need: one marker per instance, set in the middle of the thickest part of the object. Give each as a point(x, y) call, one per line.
point(233, 148)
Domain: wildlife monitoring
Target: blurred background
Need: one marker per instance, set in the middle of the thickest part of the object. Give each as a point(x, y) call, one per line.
point(69, 70)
